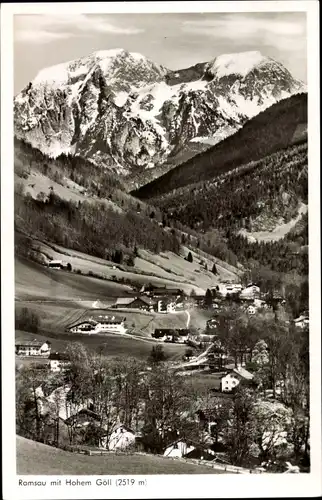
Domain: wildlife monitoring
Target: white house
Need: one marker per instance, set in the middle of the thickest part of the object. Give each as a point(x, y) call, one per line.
point(302, 321)
point(59, 362)
point(33, 348)
point(178, 449)
point(166, 306)
point(102, 324)
point(231, 380)
point(121, 438)
point(251, 292)
point(228, 288)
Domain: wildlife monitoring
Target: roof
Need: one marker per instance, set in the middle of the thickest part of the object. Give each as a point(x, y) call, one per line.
point(124, 300)
point(167, 291)
point(30, 343)
point(91, 321)
point(242, 372)
point(301, 318)
point(60, 356)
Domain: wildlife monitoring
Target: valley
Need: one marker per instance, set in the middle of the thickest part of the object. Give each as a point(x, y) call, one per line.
point(161, 265)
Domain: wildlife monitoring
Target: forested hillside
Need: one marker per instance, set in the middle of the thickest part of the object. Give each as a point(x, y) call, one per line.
point(276, 128)
point(102, 219)
point(256, 196)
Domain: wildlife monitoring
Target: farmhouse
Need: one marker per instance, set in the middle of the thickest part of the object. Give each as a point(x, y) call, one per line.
point(163, 291)
point(103, 324)
point(33, 348)
point(179, 335)
point(230, 381)
point(142, 303)
point(166, 305)
point(228, 288)
point(59, 361)
point(56, 264)
point(250, 292)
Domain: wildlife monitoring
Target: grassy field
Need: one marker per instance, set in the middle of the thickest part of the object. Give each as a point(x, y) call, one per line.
point(35, 281)
point(37, 458)
point(111, 345)
point(166, 269)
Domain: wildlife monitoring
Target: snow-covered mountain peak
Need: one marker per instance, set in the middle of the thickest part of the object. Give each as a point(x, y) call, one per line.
point(236, 64)
point(114, 63)
point(125, 112)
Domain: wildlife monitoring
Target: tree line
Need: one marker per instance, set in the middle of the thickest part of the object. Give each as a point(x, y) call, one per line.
point(90, 227)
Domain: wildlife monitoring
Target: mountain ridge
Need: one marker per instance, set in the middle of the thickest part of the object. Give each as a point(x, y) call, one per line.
point(130, 115)
point(273, 129)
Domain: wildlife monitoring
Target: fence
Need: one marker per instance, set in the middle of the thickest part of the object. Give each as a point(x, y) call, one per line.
point(213, 463)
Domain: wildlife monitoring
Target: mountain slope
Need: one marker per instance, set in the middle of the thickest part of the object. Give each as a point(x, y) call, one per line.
point(277, 127)
point(128, 114)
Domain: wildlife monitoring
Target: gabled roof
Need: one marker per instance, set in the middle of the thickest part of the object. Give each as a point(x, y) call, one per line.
point(128, 300)
point(30, 343)
point(242, 372)
point(90, 321)
point(301, 318)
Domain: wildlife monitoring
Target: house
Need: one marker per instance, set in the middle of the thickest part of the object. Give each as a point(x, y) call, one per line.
point(142, 303)
point(102, 324)
point(120, 439)
point(232, 379)
point(227, 288)
point(163, 291)
point(88, 326)
point(166, 305)
point(212, 324)
point(178, 335)
point(83, 418)
point(250, 292)
point(59, 362)
point(178, 449)
point(251, 310)
point(302, 321)
point(56, 264)
point(33, 348)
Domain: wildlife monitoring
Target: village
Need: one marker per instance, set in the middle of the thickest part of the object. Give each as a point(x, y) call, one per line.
point(225, 367)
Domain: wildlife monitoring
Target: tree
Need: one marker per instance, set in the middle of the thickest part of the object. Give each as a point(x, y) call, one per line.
point(29, 418)
point(167, 408)
point(157, 354)
point(131, 261)
point(69, 266)
point(189, 257)
point(214, 269)
point(238, 434)
point(208, 298)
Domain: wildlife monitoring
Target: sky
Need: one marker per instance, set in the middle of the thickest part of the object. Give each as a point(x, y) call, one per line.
point(175, 40)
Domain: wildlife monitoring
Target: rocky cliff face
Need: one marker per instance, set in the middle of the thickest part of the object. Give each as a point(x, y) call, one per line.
point(126, 113)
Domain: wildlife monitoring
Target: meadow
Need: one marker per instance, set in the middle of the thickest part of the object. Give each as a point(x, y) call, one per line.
point(37, 458)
